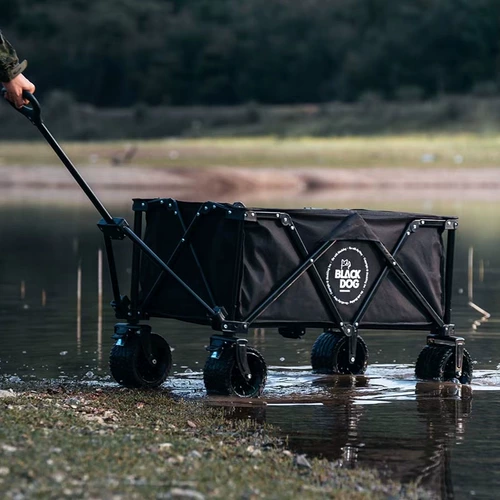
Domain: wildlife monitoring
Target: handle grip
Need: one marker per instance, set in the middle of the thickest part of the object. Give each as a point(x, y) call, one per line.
point(32, 111)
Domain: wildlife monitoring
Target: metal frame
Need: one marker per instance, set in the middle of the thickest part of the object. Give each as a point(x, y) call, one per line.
point(442, 329)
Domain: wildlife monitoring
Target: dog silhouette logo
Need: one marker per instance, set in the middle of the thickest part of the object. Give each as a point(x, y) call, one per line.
point(345, 264)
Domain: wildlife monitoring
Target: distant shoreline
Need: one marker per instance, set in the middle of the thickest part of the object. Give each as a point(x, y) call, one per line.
point(230, 183)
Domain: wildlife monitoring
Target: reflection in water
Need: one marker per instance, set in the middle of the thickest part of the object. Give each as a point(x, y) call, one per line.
point(445, 409)
point(344, 434)
point(258, 338)
point(99, 305)
point(485, 315)
point(79, 308)
point(412, 445)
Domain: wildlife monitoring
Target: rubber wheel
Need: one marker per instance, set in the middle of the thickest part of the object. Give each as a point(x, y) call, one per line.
point(330, 354)
point(438, 363)
point(222, 376)
point(130, 368)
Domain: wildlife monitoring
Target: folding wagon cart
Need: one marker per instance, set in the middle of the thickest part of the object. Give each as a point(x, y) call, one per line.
point(235, 268)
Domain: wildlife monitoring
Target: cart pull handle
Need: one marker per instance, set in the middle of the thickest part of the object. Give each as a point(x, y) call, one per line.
point(34, 114)
point(32, 111)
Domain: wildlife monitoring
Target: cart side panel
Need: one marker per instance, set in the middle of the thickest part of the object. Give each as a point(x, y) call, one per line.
point(269, 259)
point(270, 256)
point(422, 260)
point(216, 243)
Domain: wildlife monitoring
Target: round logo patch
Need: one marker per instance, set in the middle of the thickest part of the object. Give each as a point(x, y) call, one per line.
point(347, 275)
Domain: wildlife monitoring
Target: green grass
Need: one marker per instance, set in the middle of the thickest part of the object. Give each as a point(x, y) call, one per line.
point(88, 443)
point(457, 151)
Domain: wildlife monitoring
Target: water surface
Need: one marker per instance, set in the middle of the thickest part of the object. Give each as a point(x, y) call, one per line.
point(444, 436)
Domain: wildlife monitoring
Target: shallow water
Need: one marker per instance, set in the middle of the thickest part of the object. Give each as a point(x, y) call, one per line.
point(442, 435)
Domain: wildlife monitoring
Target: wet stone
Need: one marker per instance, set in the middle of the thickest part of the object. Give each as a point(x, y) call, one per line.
point(7, 448)
point(301, 461)
point(180, 493)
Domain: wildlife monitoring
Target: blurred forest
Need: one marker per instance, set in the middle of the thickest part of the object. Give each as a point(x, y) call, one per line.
point(185, 52)
point(252, 54)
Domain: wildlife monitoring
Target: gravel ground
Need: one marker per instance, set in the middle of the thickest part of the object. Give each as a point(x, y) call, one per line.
point(83, 442)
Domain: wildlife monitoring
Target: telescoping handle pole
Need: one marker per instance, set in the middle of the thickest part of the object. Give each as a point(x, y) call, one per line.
point(34, 115)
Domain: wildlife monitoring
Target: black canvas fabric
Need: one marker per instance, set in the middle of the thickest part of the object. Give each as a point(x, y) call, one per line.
point(245, 260)
point(217, 247)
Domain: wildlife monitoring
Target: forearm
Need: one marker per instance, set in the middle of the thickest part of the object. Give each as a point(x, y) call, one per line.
point(10, 67)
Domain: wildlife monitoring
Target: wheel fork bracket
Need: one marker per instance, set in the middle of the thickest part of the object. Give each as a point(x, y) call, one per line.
point(351, 332)
point(146, 346)
point(218, 343)
point(451, 341)
point(242, 358)
point(123, 330)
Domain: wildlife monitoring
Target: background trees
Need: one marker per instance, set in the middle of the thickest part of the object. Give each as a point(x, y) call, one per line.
point(185, 52)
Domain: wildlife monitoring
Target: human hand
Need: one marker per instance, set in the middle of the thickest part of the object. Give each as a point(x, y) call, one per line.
point(14, 90)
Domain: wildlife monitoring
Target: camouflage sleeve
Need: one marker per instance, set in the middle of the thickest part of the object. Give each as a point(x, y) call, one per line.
point(10, 66)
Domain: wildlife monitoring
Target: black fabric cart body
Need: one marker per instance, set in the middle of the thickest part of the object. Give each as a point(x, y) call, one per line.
point(235, 268)
point(292, 268)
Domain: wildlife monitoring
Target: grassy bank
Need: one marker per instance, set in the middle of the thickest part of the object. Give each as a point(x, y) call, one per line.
point(415, 151)
point(88, 443)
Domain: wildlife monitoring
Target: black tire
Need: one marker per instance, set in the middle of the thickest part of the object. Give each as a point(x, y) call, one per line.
point(330, 354)
point(223, 377)
point(438, 363)
point(130, 368)
point(422, 365)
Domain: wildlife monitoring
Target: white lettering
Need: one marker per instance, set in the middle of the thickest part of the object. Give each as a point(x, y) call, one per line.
point(354, 274)
point(349, 283)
